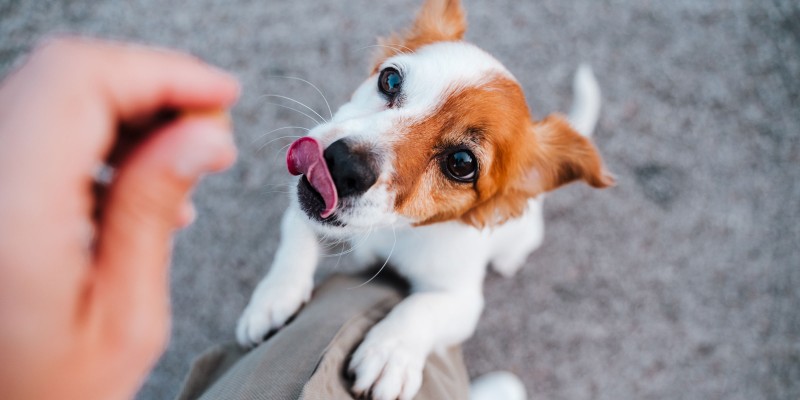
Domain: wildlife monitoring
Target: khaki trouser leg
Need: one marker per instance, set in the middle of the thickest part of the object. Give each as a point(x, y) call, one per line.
point(307, 359)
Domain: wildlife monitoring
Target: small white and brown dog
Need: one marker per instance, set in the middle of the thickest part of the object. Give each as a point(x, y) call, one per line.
point(437, 156)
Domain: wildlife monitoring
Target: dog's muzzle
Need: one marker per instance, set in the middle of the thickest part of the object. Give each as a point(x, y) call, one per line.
point(341, 171)
point(353, 171)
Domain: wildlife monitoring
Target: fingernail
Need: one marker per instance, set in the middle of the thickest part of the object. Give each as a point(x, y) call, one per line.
point(208, 147)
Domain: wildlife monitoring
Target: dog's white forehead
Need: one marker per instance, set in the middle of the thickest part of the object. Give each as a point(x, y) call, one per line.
point(436, 70)
point(429, 75)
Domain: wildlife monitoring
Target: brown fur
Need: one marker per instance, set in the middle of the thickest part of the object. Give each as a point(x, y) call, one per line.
point(518, 159)
point(486, 120)
point(549, 155)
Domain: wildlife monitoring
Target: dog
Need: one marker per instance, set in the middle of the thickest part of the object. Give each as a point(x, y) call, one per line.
point(437, 156)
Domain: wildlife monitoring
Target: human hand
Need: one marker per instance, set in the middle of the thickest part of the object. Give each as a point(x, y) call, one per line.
point(84, 304)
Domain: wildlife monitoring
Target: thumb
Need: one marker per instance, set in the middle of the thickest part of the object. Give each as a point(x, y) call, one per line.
point(143, 210)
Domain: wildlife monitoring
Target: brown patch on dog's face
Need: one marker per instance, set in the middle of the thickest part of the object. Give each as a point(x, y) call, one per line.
point(490, 121)
point(517, 160)
point(436, 21)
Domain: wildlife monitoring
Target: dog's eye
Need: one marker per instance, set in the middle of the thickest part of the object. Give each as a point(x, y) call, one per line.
point(389, 82)
point(461, 165)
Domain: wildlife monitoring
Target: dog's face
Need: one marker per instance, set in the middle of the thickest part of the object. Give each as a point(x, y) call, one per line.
point(439, 131)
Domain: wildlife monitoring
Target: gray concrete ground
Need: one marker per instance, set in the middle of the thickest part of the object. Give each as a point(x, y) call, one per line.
point(680, 283)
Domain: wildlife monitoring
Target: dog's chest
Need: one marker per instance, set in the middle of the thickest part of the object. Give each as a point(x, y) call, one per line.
point(437, 255)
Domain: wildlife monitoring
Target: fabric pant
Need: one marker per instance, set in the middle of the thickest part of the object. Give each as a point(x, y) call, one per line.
point(307, 359)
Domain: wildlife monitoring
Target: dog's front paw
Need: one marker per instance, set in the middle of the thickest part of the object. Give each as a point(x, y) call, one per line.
point(387, 368)
point(270, 307)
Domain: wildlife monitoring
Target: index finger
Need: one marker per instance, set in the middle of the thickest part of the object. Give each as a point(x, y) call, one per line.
point(137, 80)
point(89, 87)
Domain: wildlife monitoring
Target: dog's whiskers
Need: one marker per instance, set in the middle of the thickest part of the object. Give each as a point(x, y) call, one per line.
point(339, 240)
point(276, 130)
point(338, 260)
point(275, 186)
point(296, 102)
point(353, 247)
point(394, 233)
point(329, 243)
point(275, 140)
point(280, 151)
point(325, 236)
point(366, 236)
point(309, 83)
point(316, 121)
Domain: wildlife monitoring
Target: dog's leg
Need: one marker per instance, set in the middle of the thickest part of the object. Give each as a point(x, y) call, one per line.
point(288, 283)
point(390, 360)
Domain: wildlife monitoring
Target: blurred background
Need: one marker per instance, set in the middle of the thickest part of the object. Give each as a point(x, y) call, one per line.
point(683, 282)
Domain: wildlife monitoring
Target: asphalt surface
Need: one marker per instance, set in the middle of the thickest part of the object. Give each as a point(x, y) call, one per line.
point(683, 282)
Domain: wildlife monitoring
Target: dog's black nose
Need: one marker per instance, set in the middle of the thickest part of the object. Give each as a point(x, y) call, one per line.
point(352, 170)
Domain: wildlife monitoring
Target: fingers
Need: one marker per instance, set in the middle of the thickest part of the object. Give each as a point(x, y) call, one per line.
point(59, 117)
point(146, 204)
point(144, 79)
point(60, 113)
point(91, 86)
point(103, 85)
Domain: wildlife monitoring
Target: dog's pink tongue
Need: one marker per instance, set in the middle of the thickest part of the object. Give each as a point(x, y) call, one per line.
point(305, 158)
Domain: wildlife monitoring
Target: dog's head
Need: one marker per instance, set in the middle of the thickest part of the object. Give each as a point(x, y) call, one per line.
point(439, 131)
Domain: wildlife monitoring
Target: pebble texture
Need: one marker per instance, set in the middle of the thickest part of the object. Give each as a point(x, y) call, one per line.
point(683, 282)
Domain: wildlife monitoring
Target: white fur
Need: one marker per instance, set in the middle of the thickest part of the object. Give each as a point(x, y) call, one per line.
point(289, 282)
point(445, 263)
point(428, 74)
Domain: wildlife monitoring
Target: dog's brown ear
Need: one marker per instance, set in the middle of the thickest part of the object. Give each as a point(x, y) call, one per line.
point(437, 21)
point(552, 154)
point(563, 156)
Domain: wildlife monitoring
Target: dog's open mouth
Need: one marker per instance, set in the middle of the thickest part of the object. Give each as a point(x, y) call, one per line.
point(316, 189)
